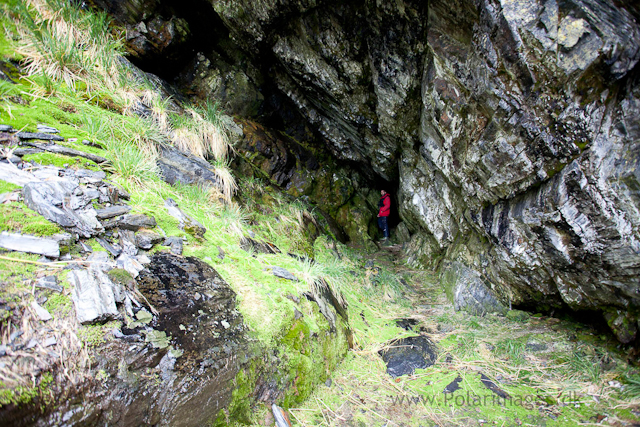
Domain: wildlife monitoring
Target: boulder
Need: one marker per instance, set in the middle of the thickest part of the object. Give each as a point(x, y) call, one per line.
point(177, 166)
point(405, 355)
point(469, 291)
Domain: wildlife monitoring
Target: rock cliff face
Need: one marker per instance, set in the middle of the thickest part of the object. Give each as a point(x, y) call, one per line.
point(509, 128)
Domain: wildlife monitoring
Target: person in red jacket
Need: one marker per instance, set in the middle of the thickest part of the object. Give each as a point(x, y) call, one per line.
point(385, 208)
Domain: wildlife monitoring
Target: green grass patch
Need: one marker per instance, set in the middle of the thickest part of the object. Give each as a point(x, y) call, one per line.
point(18, 218)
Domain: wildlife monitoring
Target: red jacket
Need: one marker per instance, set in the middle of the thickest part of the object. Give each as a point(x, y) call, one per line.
point(385, 209)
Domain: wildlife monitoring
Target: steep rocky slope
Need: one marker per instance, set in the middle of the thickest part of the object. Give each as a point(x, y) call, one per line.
point(507, 129)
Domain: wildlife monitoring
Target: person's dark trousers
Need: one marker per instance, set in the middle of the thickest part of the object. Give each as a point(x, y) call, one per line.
point(382, 223)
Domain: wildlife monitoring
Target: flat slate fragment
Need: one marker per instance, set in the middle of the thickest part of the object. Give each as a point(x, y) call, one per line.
point(39, 135)
point(112, 211)
point(453, 385)
point(283, 273)
point(493, 387)
point(30, 244)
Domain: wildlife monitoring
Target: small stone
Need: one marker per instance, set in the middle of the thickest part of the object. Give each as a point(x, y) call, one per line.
point(328, 382)
point(284, 274)
point(535, 345)
point(220, 253)
point(175, 244)
point(3, 350)
point(112, 211)
point(48, 342)
point(39, 135)
point(47, 129)
point(32, 343)
point(225, 324)
point(6, 128)
point(86, 248)
point(114, 250)
point(147, 239)
point(49, 282)
point(135, 222)
point(297, 314)
point(15, 335)
point(186, 222)
point(41, 312)
point(143, 259)
point(181, 327)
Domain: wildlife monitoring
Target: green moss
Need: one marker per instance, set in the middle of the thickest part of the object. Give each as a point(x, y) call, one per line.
point(58, 304)
point(94, 335)
point(15, 271)
point(61, 161)
point(18, 218)
point(27, 394)
point(6, 187)
point(121, 276)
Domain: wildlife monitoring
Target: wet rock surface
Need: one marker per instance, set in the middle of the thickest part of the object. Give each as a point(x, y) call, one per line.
point(506, 127)
point(188, 336)
point(405, 355)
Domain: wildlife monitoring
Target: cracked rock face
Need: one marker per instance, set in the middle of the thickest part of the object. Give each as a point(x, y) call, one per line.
point(509, 126)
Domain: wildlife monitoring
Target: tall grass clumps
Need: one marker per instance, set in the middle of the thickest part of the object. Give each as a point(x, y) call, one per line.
point(201, 132)
point(63, 42)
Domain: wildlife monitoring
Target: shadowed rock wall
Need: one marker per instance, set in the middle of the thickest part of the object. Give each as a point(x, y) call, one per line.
point(509, 127)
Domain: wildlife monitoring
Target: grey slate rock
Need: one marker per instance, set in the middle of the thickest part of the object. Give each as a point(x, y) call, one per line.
point(24, 151)
point(284, 274)
point(186, 222)
point(220, 253)
point(100, 261)
point(48, 198)
point(135, 222)
point(41, 312)
point(147, 239)
point(39, 135)
point(92, 144)
point(112, 249)
point(112, 211)
point(130, 264)
point(49, 341)
point(49, 282)
point(87, 176)
point(3, 350)
point(93, 296)
point(176, 166)
point(128, 242)
point(47, 129)
point(16, 176)
point(175, 244)
point(6, 128)
point(535, 345)
point(471, 293)
point(30, 244)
